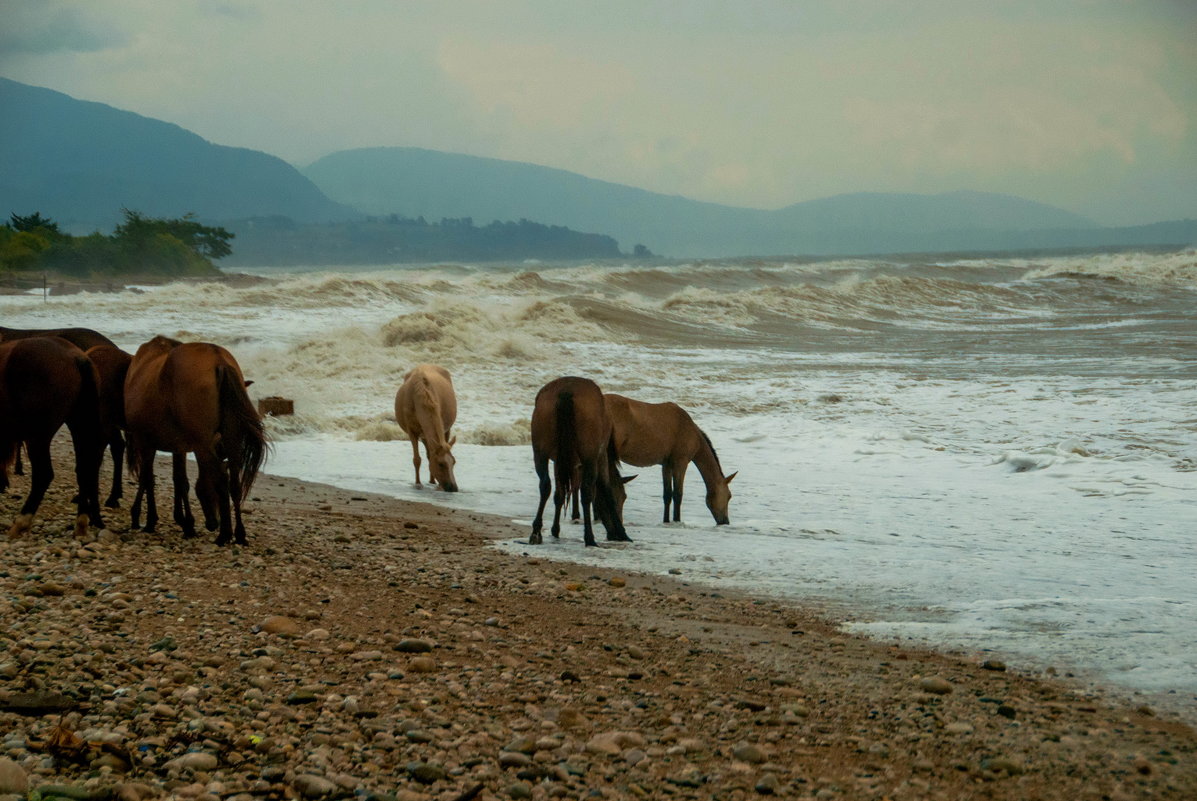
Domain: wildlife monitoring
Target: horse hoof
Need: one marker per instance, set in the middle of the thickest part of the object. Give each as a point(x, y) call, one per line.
point(20, 526)
point(535, 539)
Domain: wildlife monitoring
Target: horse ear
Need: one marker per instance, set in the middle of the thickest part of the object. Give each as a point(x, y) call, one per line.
point(626, 479)
point(250, 381)
point(728, 480)
point(453, 442)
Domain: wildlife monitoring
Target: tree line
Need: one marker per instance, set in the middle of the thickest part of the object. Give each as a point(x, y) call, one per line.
point(139, 245)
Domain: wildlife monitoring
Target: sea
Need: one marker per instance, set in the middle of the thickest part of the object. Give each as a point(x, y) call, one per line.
point(994, 456)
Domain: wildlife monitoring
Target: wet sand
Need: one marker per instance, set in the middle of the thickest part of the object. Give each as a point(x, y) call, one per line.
point(366, 646)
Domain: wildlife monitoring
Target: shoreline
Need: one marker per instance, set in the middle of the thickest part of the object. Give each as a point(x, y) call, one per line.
point(539, 675)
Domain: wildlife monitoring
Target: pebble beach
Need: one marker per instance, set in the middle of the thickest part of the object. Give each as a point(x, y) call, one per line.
point(367, 647)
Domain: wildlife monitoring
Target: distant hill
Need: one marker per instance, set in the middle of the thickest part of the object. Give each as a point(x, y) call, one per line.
point(80, 162)
point(413, 181)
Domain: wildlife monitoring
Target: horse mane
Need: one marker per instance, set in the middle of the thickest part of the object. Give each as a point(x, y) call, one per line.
point(711, 445)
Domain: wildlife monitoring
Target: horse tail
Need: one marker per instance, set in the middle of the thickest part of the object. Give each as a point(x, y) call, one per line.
point(241, 430)
point(567, 445)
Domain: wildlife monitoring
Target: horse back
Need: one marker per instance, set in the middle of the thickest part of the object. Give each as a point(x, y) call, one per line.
point(82, 338)
point(427, 389)
point(652, 433)
point(590, 424)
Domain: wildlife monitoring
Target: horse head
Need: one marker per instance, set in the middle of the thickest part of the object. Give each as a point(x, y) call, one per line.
point(440, 464)
point(718, 496)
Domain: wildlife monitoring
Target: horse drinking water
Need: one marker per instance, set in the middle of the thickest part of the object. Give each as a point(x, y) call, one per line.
point(426, 408)
point(190, 397)
point(662, 433)
point(570, 426)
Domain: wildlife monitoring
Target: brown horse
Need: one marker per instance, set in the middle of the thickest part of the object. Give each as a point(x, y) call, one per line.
point(190, 397)
point(112, 365)
point(426, 408)
point(45, 382)
point(570, 426)
point(82, 338)
point(663, 433)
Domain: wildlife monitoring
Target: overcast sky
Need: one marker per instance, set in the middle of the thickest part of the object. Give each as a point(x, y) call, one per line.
point(1090, 105)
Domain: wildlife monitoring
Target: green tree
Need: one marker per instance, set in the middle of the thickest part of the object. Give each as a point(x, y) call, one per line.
point(33, 222)
point(207, 241)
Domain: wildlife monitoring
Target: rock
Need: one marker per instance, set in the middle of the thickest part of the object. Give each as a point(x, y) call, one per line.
point(311, 786)
point(36, 704)
point(413, 646)
point(747, 752)
point(767, 784)
point(959, 727)
point(1003, 764)
point(425, 772)
point(317, 635)
point(993, 664)
point(935, 685)
point(366, 656)
point(612, 743)
point(514, 759)
point(302, 696)
point(280, 625)
point(520, 790)
point(12, 778)
point(422, 664)
point(617, 581)
point(133, 791)
point(195, 760)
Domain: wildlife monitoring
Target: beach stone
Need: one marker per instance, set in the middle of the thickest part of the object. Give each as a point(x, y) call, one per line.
point(617, 581)
point(133, 791)
point(280, 625)
point(747, 752)
point(196, 760)
point(519, 790)
point(425, 772)
point(993, 664)
point(935, 685)
point(317, 635)
point(422, 664)
point(767, 784)
point(514, 759)
point(311, 786)
point(413, 646)
point(38, 703)
point(12, 778)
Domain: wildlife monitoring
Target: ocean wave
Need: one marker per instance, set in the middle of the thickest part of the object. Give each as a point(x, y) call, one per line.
point(1178, 269)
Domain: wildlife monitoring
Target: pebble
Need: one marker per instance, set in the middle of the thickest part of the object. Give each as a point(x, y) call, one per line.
point(311, 786)
point(195, 760)
point(12, 778)
point(422, 664)
point(747, 752)
point(280, 625)
point(413, 646)
point(767, 784)
point(935, 685)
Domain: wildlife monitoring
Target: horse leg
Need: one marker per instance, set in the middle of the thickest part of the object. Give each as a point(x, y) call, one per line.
point(559, 500)
point(415, 458)
point(117, 445)
point(182, 505)
point(679, 479)
point(145, 489)
point(541, 464)
point(213, 475)
point(587, 489)
point(235, 498)
point(41, 474)
point(89, 454)
point(666, 489)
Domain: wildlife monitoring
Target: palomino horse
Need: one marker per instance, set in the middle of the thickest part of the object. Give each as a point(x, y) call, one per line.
point(112, 365)
point(190, 397)
point(570, 425)
point(663, 433)
point(426, 408)
point(45, 382)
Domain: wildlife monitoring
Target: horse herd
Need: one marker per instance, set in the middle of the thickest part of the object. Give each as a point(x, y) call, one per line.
point(191, 397)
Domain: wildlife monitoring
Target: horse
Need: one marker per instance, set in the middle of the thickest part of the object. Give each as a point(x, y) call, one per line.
point(82, 338)
point(649, 434)
point(426, 408)
point(570, 426)
point(112, 365)
point(44, 383)
point(190, 397)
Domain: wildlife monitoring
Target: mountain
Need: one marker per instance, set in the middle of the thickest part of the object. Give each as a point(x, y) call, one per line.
point(80, 162)
point(413, 182)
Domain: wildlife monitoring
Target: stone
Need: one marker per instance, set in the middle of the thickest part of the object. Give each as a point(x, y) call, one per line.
point(36, 704)
point(413, 646)
point(12, 778)
point(311, 786)
point(767, 784)
point(935, 685)
point(195, 760)
point(280, 625)
point(422, 664)
point(747, 752)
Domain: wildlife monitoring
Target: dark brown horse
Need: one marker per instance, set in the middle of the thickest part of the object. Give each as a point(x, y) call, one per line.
point(190, 397)
point(82, 338)
point(112, 365)
point(45, 382)
point(571, 427)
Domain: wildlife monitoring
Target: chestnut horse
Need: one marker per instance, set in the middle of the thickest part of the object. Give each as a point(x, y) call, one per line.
point(45, 382)
point(190, 397)
point(570, 425)
point(662, 433)
point(112, 365)
point(426, 408)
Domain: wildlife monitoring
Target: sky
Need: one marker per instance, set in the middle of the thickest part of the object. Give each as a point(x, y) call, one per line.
point(1089, 105)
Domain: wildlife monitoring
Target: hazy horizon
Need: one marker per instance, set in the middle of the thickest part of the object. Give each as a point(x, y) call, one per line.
point(1088, 105)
